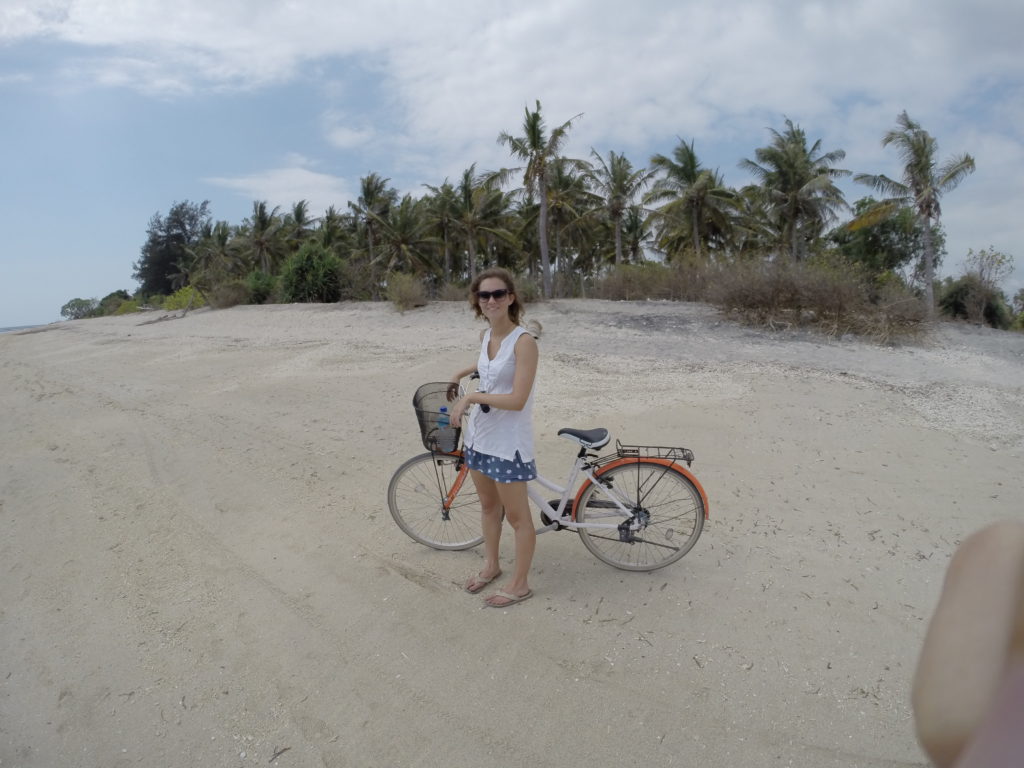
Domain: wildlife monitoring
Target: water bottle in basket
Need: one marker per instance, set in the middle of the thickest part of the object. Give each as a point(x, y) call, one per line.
point(431, 404)
point(447, 438)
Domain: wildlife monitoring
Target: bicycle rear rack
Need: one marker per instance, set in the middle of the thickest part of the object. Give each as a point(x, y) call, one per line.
point(672, 453)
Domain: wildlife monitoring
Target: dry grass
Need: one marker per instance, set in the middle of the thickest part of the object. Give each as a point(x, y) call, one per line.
point(679, 282)
point(406, 291)
point(453, 292)
point(833, 297)
point(229, 294)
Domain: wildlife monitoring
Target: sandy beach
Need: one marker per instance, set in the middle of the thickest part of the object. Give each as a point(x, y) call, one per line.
point(199, 568)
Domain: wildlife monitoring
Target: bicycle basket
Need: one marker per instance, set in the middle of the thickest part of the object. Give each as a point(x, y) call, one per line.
point(439, 436)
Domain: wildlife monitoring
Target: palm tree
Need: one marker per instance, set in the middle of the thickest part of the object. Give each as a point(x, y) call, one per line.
point(694, 196)
point(405, 240)
point(753, 226)
point(617, 184)
point(375, 199)
point(332, 231)
point(261, 239)
point(298, 224)
point(538, 150)
point(800, 186)
point(569, 203)
point(481, 209)
point(216, 254)
point(211, 261)
point(636, 233)
point(441, 210)
point(923, 183)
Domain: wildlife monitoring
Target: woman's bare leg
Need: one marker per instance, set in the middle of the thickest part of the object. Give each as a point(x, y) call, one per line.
point(490, 524)
point(974, 648)
point(517, 511)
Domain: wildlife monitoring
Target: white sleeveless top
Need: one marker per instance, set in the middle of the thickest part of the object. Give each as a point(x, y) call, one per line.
point(499, 432)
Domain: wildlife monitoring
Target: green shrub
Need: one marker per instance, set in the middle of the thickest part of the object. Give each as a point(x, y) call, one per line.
point(406, 291)
point(109, 303)
point(187, 296)
point(78, 309)
point(311, 275)
point(261, 287)
point(970, 298)
point(127, 307)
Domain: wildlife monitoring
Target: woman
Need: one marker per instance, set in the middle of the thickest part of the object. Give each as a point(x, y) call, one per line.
point(499, 442)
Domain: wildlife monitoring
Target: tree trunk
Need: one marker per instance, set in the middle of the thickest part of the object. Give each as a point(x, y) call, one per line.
point(472, 258)
point(618, 241)
point(695, 226)
point(558, 266)
point(928, 259)
point(447, 258)
point(542, 230)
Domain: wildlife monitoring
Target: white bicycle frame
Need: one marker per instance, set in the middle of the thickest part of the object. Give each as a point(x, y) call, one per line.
point(560, 516)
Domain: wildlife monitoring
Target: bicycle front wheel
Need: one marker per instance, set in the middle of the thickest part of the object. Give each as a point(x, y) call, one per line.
point(416, 496)
point(668, 504)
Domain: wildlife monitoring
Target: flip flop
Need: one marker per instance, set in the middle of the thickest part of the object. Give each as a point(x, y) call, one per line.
point(512, 599)
point(477, 583)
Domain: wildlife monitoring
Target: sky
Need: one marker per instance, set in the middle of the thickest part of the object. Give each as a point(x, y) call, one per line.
point(113, 110)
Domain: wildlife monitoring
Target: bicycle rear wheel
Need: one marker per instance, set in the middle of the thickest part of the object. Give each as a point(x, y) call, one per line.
point(416, 497)
point(657, 493)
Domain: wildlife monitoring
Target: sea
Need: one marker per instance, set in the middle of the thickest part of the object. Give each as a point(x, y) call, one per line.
point(20, 327)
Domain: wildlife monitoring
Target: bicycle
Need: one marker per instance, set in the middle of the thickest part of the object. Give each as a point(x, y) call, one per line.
point(656, 507)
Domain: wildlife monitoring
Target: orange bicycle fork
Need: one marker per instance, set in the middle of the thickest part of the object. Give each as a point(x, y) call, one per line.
point(460, 479)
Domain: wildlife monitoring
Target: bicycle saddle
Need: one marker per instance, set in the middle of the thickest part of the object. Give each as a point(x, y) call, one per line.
point(588, 438)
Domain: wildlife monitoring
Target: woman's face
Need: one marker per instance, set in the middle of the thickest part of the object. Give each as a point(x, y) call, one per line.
point(494, 306)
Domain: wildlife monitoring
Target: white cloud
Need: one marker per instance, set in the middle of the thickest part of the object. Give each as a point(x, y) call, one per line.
point(288, 185)
point(155, 78)
point(25, 20)
point(345, 132)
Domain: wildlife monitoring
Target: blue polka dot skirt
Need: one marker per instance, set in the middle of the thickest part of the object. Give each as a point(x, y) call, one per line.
point(501, 470)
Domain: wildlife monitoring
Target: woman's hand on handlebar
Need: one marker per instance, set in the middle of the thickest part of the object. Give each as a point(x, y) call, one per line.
point(460, 410)
point(453, 386)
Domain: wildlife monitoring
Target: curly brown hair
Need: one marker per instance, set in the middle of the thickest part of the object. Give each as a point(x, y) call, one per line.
point(515, 309)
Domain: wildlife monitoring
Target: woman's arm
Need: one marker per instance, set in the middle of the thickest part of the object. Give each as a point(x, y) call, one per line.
point(526, 371)
point(453, 386)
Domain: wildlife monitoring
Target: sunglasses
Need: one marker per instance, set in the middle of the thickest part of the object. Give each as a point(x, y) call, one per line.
point(497, 295)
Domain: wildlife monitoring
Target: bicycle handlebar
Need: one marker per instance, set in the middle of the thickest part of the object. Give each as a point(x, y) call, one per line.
point(484, 408)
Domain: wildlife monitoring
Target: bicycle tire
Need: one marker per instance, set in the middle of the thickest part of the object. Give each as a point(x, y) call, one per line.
point(675, 506)
point(415, 497)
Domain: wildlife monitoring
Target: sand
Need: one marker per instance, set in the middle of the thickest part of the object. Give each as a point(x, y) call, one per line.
point(199, 568)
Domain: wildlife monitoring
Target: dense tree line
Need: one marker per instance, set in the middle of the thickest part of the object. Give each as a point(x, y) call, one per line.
point(565, 222)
